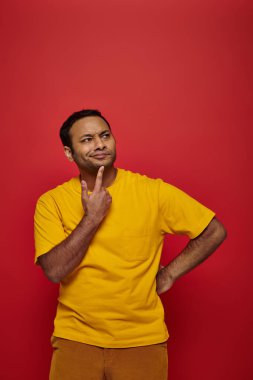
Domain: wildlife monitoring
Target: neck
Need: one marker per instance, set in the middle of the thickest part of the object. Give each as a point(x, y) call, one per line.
point(109, 176)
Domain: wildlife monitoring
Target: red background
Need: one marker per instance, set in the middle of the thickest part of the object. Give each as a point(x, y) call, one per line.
point(174, 78)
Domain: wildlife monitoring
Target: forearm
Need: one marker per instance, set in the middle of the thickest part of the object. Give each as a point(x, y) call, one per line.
point(66, 256)
point(197, 250)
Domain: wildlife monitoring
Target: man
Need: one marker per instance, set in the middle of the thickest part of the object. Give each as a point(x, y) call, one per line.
point(100, 236)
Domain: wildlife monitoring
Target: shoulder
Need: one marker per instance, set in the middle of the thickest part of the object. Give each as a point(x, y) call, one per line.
point(51, 195)
point(139, 178)
point(144, 184)
point(153, 183)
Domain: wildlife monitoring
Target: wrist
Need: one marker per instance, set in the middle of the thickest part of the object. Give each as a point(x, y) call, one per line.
point(91, 220)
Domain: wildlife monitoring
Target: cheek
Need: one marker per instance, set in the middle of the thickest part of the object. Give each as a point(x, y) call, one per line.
point(113, 144)
point(80, 154)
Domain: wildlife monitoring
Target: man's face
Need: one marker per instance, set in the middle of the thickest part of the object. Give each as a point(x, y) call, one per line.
point(93, 144)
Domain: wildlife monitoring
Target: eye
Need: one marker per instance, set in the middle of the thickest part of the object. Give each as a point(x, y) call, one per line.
point(87, 139)
point(106, 136)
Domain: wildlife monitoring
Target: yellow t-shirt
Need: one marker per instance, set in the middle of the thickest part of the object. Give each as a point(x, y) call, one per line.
point(110, 299)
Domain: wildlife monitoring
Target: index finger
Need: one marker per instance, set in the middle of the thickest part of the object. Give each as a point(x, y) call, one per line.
point(99, 179)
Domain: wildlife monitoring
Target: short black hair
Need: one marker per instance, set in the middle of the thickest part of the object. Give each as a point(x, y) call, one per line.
point(64, 131)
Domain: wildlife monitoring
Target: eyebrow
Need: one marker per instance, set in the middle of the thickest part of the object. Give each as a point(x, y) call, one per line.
point(89, 135)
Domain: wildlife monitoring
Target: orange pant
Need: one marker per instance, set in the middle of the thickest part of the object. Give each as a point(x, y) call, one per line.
point(80, 361)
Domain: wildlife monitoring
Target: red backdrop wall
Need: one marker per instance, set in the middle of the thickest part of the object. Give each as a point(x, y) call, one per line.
point(174, 78)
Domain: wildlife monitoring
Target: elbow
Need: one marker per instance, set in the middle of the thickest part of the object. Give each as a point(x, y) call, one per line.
point(224, 233)
point(215, 231)
point(53, 278)
point(50, 274)
point(220, 232)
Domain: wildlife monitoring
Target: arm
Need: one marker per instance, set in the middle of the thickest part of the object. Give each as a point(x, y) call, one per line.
point(62, 259)
point(195, 252)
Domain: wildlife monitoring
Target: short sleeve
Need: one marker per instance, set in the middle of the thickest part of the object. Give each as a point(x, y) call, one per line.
point(180, 213)
point(48, 228)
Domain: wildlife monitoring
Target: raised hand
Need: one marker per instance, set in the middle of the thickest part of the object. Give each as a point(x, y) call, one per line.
point(96, 205)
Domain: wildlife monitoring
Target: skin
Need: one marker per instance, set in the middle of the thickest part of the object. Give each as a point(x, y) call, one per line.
point(61, 260)
point(91, 136)
point(196, 251)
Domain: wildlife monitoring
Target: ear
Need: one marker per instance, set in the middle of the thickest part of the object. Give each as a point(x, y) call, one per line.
point(68, 153)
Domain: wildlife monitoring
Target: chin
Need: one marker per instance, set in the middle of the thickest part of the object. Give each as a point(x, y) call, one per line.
point(107, 163)
point(92, 169)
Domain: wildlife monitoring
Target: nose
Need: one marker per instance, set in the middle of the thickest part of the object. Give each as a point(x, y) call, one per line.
point(99, 143)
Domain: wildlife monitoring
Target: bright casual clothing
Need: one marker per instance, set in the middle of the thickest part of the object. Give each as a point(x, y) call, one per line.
point(75, 361)
point(110, 299)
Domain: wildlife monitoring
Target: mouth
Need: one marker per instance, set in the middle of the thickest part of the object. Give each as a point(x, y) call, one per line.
point(100, 156)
